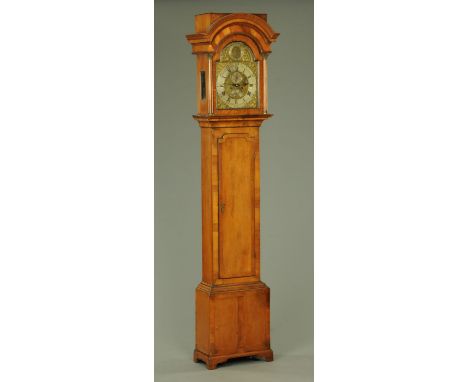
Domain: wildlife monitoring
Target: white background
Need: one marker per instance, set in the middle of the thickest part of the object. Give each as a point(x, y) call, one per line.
point(76, 191)
point(391, 191)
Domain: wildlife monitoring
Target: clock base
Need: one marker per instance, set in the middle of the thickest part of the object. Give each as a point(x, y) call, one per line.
point(213, 361)
point(232, 321)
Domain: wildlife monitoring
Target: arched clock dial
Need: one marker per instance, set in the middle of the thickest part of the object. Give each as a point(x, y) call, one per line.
point(236, 78)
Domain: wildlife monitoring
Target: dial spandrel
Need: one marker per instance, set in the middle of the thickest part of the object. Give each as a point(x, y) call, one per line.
point(236, 78)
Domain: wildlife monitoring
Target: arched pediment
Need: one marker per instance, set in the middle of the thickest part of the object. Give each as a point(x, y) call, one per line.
point(234, 23)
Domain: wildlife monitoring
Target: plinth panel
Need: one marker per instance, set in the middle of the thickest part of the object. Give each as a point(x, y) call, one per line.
point(226, 322)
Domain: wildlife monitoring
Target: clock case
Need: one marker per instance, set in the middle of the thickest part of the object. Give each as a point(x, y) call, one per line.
point(232, 303)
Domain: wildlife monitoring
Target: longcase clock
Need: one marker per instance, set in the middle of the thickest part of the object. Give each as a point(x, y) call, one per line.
point(232, 303)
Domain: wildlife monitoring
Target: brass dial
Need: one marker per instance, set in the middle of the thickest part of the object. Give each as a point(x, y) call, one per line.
point(236, 78)
point(236, 85)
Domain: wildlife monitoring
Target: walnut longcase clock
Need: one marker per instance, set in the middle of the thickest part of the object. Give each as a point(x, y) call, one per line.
point(232, 303)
